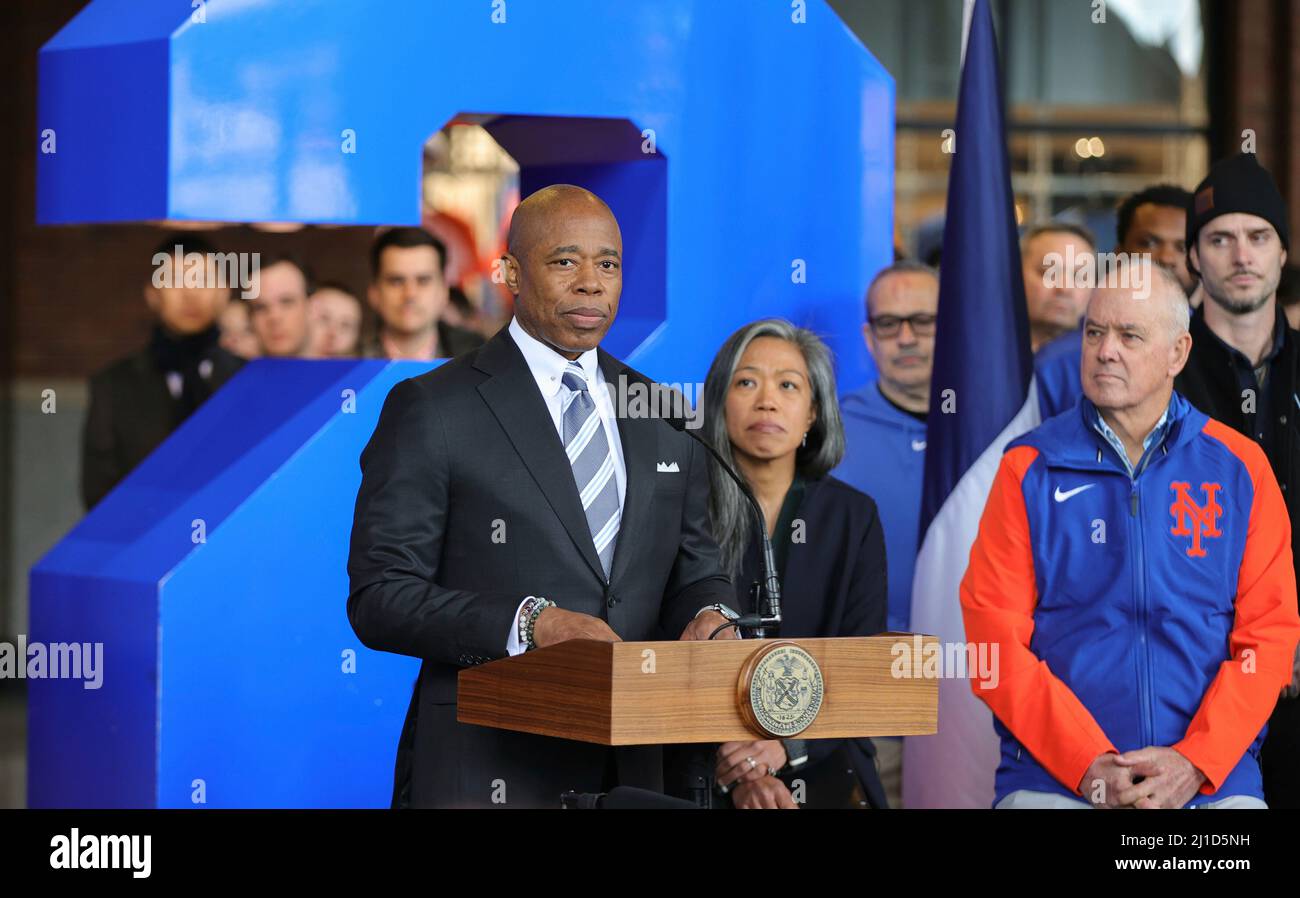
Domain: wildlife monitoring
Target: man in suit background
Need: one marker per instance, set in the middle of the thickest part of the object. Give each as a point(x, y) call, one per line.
point(137, 401)
point(505, 506)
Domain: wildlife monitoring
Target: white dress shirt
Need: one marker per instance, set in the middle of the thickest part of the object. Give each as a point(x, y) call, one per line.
point(548, 367)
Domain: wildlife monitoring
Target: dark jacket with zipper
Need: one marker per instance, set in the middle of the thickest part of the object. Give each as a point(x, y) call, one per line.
point(1211, 382)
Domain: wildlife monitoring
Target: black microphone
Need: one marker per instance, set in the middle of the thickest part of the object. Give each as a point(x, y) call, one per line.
point(770, 588)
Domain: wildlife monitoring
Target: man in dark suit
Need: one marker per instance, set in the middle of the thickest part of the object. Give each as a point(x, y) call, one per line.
point(503, 482)
point(136, 402)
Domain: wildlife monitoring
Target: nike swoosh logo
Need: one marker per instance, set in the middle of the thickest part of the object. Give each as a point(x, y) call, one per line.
point(1069, 494)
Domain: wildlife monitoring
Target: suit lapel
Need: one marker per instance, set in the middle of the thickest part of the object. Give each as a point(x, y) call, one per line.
point(512, 395)
point(640, 445)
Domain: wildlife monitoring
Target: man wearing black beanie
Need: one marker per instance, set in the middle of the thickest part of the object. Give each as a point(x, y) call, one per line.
point(1243, 371)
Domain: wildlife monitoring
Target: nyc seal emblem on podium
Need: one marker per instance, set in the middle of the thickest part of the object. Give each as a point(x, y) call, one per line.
point(780, 690)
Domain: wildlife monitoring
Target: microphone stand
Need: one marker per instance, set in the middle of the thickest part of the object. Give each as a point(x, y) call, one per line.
point(768, 618)
point(768, 589)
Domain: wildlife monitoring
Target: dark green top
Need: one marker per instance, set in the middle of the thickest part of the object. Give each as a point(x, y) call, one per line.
point(785, 524)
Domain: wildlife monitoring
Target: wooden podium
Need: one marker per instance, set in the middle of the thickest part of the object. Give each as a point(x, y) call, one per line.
point(636, 693)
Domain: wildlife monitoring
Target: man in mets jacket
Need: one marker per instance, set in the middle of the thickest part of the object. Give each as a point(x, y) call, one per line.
point(1134, 566)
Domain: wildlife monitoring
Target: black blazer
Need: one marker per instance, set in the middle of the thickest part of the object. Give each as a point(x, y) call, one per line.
point(130, 413)
point(833, 585)
point(467, 505)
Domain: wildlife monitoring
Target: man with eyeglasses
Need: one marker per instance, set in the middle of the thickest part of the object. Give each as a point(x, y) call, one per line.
point(884, 428)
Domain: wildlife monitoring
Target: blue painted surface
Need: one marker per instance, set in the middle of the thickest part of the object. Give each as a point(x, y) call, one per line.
point(255, 696)
point(774, 153)
point(778, 137)
point(224, 659)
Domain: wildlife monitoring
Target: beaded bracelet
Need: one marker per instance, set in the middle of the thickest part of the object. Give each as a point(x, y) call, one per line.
point(528, 619)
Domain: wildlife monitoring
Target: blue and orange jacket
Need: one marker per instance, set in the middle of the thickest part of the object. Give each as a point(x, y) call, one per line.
point(1151, 610)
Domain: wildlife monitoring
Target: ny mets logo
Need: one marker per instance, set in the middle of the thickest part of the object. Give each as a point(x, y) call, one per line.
point(1204, 518)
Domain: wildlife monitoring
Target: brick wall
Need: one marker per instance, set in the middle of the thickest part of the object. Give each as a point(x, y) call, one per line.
point(1255, 84)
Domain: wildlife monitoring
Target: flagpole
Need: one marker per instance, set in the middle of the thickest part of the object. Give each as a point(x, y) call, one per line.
point(968, 8)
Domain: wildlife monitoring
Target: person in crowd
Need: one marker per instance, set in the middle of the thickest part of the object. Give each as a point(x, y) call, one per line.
point(335, 322)
point(884, 432)
point(1049, 254)
point(1244, 370)
point(771, 410)
point(1152, 221)
point(280, 311)
point(137, 401)
point(1133, 569)
point(408, 292)
point(604, 514)
point(236, 326)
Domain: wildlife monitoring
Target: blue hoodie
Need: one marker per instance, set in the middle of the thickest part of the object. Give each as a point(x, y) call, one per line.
point(885, 459)
point(1056, 369)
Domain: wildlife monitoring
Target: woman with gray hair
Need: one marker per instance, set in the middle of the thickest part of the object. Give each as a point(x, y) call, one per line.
point(770, 409)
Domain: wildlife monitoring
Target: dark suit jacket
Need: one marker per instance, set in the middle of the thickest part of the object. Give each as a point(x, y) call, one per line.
point(469, 451)
point(833, 584)
point(130, 413)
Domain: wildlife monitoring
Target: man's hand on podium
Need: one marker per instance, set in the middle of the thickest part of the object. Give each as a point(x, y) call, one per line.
point(705, 623)
point(768, 792)
point(557, 625)
point(749, 762)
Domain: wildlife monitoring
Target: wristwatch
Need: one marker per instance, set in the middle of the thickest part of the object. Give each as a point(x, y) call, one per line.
point(721, 609)
point(796, 754)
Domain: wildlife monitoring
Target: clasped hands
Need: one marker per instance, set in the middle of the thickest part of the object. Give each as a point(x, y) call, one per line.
point(1152, 777)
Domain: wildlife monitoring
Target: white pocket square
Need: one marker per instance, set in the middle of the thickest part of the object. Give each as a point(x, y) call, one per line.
point(667, 468)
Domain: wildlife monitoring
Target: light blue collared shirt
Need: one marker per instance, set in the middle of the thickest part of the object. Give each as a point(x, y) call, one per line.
point(1156, 435)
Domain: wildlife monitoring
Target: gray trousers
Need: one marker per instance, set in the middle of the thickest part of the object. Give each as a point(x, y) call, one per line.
point(1025, 798)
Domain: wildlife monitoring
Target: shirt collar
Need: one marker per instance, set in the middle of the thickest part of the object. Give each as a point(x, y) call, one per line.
point(547, 365)
point(1154, 437)
point(1238, 358)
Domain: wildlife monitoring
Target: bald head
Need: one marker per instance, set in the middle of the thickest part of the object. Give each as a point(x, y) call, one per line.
point(535, 217)
point(564, 265)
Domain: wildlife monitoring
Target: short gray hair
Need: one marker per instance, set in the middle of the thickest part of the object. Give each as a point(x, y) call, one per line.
point(1180, 310)
point(903, 266)
point(1160, 280)
point(730, 513)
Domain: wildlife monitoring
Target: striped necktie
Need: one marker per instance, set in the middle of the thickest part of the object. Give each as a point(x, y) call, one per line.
point(593, 464)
